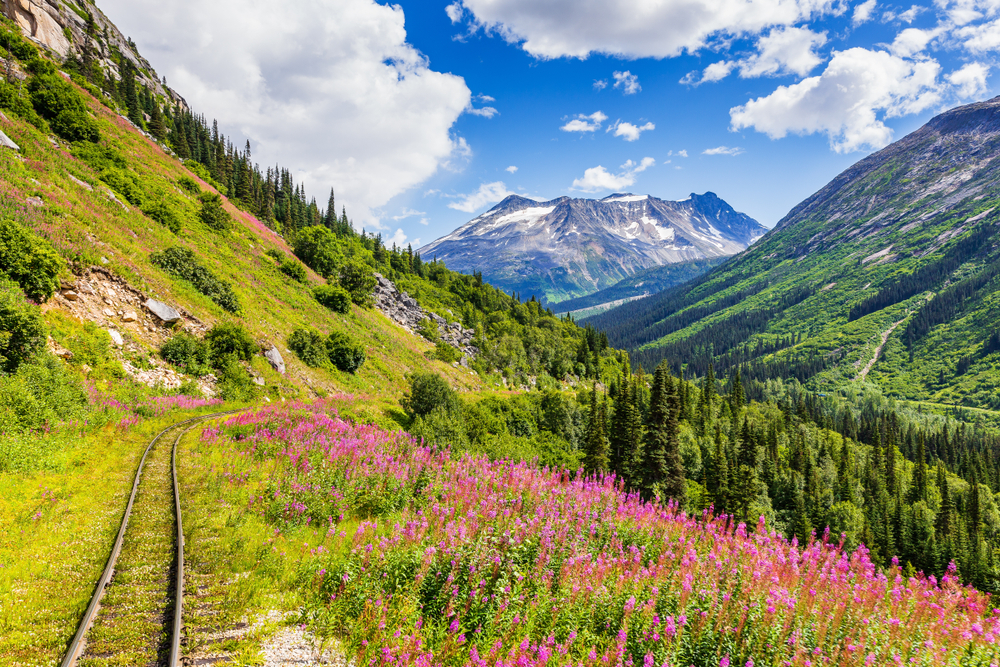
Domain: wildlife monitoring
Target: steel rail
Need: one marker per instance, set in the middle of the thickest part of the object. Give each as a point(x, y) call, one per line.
point(76, 646)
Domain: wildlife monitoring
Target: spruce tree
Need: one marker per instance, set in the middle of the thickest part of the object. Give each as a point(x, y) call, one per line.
point(595, 459)
point(919, 490)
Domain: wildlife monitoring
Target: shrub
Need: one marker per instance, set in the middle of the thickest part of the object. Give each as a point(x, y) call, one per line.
point(275, 254)
point(235, 383)
point(360, 282)
point(164, 215)
point(318, 248)
point(345, 353)
point(22, 334)
point(293, 270)
point(229, 339)
point(189, 184)
point(428, 328)
point(124, 183)
point(12, 99)
point(57, 101)
point(182, 263)
point(187, 352)
point(29, 261)
point(440, 429)
point(335, 298)
point(40, 393)
point(429, 391)
point(212, 212)
point(204, 174)
point(446, 352)
point(309, 346)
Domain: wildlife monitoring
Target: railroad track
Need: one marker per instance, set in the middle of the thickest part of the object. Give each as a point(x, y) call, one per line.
point(149, 578)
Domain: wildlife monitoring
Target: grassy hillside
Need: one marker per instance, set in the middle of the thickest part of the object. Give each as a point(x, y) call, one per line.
point(886, 276)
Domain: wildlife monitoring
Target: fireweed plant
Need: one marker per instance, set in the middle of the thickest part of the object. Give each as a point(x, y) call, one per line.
point(431, 558)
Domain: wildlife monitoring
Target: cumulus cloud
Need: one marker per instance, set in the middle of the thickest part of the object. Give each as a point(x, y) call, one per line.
point(512, 169)
point(399, 239)
point(845, 101)
point(454, 11)
point(722, 150)
point(980, 38)
point(584, 123)
point(329, 88)
point(970, 80)
point(600, 84)
point(630, 132)
point(628, 82)
point(485, 112)
point(488, 193)
point(633, 28)
point(598, 178)
point(863, 12)
point(912, 41)
point(784, 51)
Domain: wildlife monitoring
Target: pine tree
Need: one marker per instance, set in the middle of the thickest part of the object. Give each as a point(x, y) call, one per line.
point(919, 490)
point(156, 125)
point(595, 459)
point(718, 479)
point(736, 396)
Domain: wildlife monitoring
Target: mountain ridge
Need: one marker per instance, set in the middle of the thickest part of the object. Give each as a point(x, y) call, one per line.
point(565, 247)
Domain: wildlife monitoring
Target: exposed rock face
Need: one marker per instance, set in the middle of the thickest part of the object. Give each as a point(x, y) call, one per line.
point(46, 22)
point(7, 142)
point(274, 357)
point(404, 310)
point(568, 248)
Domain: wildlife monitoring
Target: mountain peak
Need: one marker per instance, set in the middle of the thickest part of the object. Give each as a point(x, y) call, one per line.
point(977, 118)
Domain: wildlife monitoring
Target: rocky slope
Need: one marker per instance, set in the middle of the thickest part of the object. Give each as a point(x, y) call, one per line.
point(567, 248)
point(60, 26)
point(890, 274)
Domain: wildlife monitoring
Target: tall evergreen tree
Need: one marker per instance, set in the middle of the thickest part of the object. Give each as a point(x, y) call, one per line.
point(595, 459)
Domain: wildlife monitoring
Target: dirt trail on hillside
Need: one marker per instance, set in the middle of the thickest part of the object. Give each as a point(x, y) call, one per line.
point(878, 350)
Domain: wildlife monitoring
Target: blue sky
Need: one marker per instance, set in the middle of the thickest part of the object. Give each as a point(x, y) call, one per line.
point(417, 113)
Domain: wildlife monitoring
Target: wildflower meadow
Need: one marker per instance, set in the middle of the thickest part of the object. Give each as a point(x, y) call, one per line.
point(428, 558)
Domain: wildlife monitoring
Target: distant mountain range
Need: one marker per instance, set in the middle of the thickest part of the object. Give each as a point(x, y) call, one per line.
point(566, 248)
point(889, 275)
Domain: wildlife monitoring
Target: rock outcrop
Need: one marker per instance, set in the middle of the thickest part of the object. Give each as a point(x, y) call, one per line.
point(274, 358)
point(166, 313)
point(404, 310)
point(60, 28)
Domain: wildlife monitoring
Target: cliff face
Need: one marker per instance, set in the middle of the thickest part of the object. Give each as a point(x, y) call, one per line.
point(60, 27)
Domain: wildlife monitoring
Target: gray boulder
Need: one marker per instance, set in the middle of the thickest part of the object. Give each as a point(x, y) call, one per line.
point(162, 310)
point(274, 357)
point(7, 142)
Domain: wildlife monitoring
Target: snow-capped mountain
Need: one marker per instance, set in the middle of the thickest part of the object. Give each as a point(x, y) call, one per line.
point(566, 248)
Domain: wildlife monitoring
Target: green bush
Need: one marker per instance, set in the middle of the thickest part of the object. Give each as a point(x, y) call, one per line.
point(275, 254)
point(335, 298)
point(213, 214)
point(124, 183)
point(12, 40)
point(441, 429)
point(182, 263)
point(113, 169)
point(164, 215)
point(58, 102)
point(187, 352)
point(22, 334)
point(230, 340)
point(235, 383)
point(345, 353)
point(12, 99)
point(445, 352)
point(204, 174)
point(309, 346)
point(317, 247)
point(359, 281)
point(427, 392)
point(293, 270)
point(40, 393)
point(29, 261)
point(189, 184)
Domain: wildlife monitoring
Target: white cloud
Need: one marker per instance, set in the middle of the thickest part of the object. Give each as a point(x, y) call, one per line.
point(633, 28)
point(980, 38)
point(970, 80)
point(461, 153)
point(845, 101)
point(717, 71)
point(783, 51)
point(512, 169)
point(911, 14)
point(399, 238)
point(454, 11)
point(863, 12)
point(682, 153)
point(488, 193)
point(722, 150)
point(330, 88)
point(485, 98)
point(407, 213)
point(424, 221)
point(598, 178)
point(629, 131)
point(600, 84)
point(628, 82)
point(584, 123)
point(912, 41)
point(485, 112)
